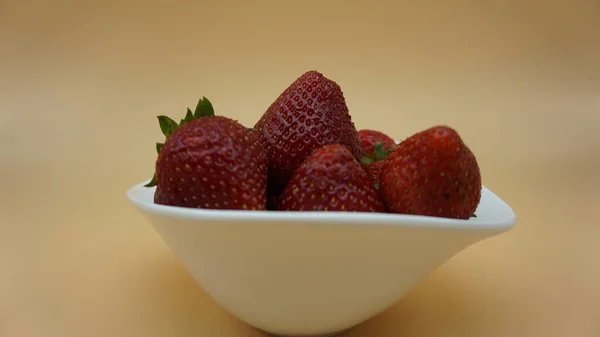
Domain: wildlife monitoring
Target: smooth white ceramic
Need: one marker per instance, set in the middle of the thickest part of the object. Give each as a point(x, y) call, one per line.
point(313, 273)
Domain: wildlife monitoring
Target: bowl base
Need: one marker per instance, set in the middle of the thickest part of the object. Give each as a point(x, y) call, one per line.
point(331, 334)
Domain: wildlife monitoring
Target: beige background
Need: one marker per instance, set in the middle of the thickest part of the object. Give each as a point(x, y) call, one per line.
point(81, 82)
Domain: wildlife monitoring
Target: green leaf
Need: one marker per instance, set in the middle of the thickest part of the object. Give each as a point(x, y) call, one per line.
point(474, 215)
point(379, 152)
point(158, 147)
point(204, 108)
point(250, 129)
point(167, 125)
point(152, 182)
point(189, 116)
point(366, 160)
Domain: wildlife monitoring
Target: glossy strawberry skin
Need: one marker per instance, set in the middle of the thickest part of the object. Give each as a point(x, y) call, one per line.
point(213, 163)
point(331, 179)
point(309, 114)
point(432, 173)
point(368, 138)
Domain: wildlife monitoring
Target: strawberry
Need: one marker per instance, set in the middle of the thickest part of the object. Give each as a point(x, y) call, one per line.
point(374, 172)
point(368, 139)
point(376, 146)
point(373, 163)
point(309, 114)
point(432, 173)
point(331, 179)
point(211, 162)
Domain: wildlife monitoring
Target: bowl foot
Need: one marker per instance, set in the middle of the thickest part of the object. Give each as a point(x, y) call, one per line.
point(331, 334)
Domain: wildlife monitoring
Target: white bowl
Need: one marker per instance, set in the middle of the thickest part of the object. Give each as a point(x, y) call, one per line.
point(313, 273)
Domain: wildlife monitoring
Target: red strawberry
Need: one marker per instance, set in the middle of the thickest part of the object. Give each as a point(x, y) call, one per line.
point(376, 146)
point(375, 152)
point(368, 139)
point(331, 179)
point(374, 171)
point(210, 162)
point(432, 173)
point(310, 113)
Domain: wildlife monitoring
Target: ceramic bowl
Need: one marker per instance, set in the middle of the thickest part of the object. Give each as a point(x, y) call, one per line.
point(313, 273)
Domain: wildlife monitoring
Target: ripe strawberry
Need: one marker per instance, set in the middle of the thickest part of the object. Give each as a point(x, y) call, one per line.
point(374, 172)
point(368, 139)
point(211, 162)
point(376, 146)
point(331, 179)
point(432, 173)
point(309, 114)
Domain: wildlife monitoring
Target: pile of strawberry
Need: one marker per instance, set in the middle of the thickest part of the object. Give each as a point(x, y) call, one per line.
point(305, 154)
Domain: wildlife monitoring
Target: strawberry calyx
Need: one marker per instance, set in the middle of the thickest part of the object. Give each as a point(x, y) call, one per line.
point(167, 125)
point(379, 153)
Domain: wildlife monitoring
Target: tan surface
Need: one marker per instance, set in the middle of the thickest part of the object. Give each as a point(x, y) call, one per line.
point(81, 82)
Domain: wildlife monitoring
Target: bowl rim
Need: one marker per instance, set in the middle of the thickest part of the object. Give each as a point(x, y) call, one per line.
point(136, 194)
